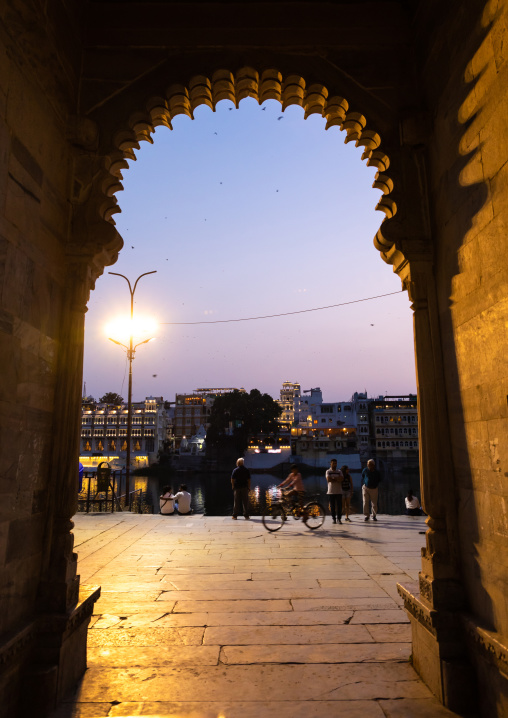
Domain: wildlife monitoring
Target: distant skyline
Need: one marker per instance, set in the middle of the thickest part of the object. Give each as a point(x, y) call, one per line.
point(244, 213)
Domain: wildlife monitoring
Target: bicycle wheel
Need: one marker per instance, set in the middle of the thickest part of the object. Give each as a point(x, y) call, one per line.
point(314, 515)
point(274, 519)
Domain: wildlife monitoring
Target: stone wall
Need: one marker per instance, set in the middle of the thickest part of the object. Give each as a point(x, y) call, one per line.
point(466, 95)
point(38, 91)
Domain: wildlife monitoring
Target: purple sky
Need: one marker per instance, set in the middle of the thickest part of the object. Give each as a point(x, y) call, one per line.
point(244, 214)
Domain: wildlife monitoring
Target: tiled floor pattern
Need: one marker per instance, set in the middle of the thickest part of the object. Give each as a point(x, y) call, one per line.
point(214, 618)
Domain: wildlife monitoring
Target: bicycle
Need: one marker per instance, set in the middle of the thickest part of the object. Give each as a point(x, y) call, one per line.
point(311, 513)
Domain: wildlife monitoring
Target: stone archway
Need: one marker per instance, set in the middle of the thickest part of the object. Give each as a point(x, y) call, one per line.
point(74, 88)
point(402, 241)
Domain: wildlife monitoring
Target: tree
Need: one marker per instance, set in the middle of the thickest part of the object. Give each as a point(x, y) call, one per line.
point(111, 397)
point(237, 416)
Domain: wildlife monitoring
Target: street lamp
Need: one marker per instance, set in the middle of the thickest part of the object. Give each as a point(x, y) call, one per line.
point(131, 350)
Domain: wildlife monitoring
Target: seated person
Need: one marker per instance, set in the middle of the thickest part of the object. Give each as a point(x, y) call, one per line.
point(183, 498)
point(167, 501)
point(413, 507)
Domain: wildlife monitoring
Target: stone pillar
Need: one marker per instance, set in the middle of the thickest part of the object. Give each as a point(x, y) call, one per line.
point(435, 604)
point(59, 657)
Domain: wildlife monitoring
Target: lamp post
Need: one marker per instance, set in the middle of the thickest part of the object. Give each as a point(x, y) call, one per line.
point(131, 350)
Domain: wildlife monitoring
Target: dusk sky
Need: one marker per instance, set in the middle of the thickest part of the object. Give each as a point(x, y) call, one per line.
point(245, 213)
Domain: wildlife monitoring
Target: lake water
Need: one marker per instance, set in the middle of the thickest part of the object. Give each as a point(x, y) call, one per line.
point(212, 494)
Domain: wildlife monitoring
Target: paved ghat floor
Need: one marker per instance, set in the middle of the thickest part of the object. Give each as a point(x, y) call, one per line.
point(215, 618)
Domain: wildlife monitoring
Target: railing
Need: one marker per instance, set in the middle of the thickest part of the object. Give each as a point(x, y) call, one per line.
point(135, 501)
point(99, 501)
point(91, 500)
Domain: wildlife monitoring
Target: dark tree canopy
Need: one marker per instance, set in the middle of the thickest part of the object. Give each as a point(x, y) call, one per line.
point(111, 397)
point(237, 416)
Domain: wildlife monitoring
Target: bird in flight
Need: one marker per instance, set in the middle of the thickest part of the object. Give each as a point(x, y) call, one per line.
point(214, 133)
point(132, 247)
point(280, 118)
point(263, 109)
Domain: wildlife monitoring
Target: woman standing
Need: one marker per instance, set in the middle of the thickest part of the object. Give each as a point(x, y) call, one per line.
point(347, 489)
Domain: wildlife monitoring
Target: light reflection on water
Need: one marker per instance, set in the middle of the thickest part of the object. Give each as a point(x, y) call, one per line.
point(212, 493)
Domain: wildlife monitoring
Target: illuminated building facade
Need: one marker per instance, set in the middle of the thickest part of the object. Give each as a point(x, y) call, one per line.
point(394, 427)
point(104, 432)
point(290, 403)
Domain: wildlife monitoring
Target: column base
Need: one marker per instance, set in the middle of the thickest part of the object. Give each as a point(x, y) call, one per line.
point(59, 656)
point(489, 656)
point(439, 652)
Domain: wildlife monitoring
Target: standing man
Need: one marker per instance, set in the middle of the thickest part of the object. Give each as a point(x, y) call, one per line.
point(240, 481)
point(370, 482)
point(334, 478)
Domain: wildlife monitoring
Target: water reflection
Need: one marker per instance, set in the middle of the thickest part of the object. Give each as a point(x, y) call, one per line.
point(212, 494)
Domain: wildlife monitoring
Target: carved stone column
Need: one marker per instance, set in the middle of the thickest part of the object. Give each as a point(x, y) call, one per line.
point(435, 605)
point(436, 602)
point(59, 656)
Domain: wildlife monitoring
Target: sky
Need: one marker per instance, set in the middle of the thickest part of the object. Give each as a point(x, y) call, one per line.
point(245, 213)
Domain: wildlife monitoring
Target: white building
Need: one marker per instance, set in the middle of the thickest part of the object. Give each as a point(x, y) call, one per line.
point(104, 432)
point(360, 401)
point(290, 403)
point(394, 428)
point(308, 405)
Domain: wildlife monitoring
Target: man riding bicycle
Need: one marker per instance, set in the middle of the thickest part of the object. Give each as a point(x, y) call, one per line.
point(295, 487)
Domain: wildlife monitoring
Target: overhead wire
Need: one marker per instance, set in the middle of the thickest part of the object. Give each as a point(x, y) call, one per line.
point(283, 314)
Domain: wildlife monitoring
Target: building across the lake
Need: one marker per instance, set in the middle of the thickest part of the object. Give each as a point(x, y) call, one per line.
point(192, 411)
point(104, 432)
point(394, 428)
point(384, 428)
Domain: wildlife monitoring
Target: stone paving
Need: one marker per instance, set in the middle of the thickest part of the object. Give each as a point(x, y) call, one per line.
point(214, 618)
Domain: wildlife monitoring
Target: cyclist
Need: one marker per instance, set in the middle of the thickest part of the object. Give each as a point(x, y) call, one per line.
point(294, 484)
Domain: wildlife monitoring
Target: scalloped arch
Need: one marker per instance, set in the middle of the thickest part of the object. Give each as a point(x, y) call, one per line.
point(247, 82)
